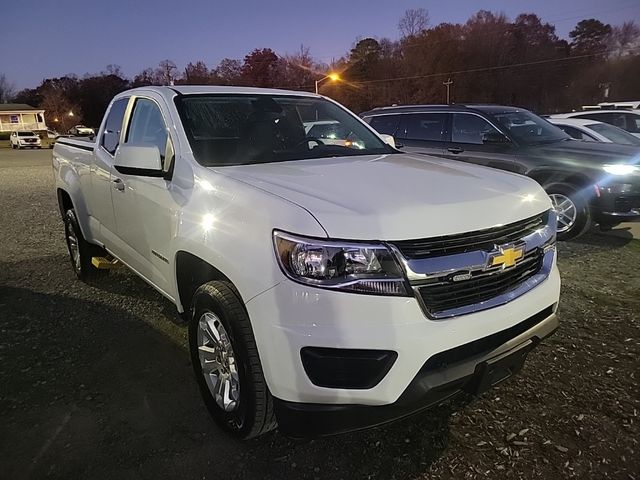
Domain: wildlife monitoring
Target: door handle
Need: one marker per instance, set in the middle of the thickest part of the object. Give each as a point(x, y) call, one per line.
point(118, 184)
point(456, 150)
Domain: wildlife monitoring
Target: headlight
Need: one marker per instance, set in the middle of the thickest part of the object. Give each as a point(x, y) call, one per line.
point(352, 267)
point(620, 169)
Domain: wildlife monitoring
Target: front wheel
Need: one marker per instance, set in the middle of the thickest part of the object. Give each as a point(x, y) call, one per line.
point(226, 362)
point(574, 216)
point(81, 251)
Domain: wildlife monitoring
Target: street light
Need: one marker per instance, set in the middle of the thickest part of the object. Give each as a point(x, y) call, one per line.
point(334, 77)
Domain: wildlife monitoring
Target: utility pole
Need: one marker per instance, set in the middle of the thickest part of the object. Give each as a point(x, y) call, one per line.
point(448, 84)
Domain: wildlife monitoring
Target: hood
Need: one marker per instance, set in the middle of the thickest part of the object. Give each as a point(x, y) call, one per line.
point(588, 153)
point(397, 196)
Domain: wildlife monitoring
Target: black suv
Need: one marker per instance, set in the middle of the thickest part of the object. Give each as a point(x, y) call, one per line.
point(586, 181)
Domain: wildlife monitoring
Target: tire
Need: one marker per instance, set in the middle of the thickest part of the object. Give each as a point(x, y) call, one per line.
point(81, 263)
point(574, 215)
point(249, 412)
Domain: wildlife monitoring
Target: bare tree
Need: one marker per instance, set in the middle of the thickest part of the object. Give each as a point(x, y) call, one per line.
point(7, 89)
point(58, 109)
point(624, 37)
point(165, 72)
point(113, 69)
point(414, 21)
point(229, 70)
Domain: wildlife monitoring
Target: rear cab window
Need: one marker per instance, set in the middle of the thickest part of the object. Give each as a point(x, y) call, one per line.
point(113, 126)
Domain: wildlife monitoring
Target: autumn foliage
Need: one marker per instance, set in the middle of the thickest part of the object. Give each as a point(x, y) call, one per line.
point(489, 58)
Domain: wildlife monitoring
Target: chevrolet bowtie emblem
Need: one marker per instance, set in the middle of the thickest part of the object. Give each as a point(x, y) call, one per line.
point(506, 256)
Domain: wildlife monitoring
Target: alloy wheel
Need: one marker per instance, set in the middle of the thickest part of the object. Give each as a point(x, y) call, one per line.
point(218, 362)
point(565, 209)
point(72, 243)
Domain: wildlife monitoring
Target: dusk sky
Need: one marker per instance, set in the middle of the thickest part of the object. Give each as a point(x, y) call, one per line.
point(51, 38)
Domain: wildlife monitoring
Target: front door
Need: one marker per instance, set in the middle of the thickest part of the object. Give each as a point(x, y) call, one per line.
point(144, 206)
point(99, 194)
point(474, 140)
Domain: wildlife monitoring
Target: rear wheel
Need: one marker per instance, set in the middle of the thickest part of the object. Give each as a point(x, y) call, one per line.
point(81, 251)
point(226, 362)
point(572, 209)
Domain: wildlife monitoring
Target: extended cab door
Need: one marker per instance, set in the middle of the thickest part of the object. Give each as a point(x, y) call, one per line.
point(474, 140)
point(144, 203)
point(99, 195)
point(423, 132)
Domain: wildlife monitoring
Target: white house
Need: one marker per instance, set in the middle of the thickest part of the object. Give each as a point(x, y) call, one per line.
point(19, 116)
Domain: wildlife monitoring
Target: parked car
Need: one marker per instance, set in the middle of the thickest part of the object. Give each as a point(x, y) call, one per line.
point(628, 120)
point(594, 131)
point(330, 132)
point(629, 105)
point(52, 136)
point(328, 287)
point(586, 181)
point(81, 130)
point(24, 139)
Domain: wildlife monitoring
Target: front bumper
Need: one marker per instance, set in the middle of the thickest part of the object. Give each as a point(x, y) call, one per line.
point(440, 378)
point(290, 317)
point(617, 202)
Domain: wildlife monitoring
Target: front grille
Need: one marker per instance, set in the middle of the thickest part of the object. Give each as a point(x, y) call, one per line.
point(447, 294)
point(465, 242)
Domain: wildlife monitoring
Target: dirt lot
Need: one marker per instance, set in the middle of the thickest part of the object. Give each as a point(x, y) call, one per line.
point(95, 381)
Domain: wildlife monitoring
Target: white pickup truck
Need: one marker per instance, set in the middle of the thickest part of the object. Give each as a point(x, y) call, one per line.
point(328, 287)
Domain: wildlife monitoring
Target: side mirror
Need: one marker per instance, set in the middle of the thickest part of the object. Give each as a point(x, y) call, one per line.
point(142, 159)
point(495, 138)
point(389, 140)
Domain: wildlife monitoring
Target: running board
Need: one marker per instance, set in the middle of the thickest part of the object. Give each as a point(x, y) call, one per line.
point(105, 263)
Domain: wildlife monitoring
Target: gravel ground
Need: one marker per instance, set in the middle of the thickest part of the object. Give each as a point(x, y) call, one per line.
point(96, 382)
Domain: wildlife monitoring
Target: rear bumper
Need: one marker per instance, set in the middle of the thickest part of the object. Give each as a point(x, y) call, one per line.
point(483, 363)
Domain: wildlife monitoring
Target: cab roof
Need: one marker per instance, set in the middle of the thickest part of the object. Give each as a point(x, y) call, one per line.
point(171, 91)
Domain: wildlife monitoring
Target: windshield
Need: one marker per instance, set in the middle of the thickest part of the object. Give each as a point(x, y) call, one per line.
point(26, 134)
point(530, 129)
point(246, 129)
point(615, 134)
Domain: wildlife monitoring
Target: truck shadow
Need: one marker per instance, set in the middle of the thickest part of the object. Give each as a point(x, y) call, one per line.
point(92, 390)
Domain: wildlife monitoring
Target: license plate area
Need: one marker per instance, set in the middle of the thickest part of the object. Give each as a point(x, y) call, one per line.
point(495, 370)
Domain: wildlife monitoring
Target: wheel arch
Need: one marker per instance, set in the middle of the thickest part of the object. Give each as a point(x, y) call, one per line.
point(546, 177)
point(64, 200)
point(191, 272)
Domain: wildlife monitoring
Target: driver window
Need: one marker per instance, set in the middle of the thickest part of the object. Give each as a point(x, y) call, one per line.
point(467, 128)
point(147, 126)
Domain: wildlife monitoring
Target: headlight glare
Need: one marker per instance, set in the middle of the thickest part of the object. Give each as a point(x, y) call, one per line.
point(355, 267)
point(620, 169)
